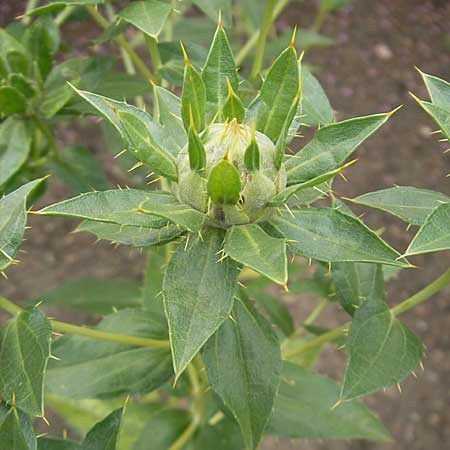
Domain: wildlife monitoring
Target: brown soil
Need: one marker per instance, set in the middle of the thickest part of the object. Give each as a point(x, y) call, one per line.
point(371, 69)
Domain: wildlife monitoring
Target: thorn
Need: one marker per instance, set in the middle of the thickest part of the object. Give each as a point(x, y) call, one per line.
point(120, 153)
point(46, 421)
point(421, 366)
point(414, 374)
point(187, 242)
point(185, 56)
point(219, 21)
point(230, 88)
point(339, 402)
point(154, 181)
point(391, 113)
point(286, 288)
point(408, 227)
point(436, 132)
point(136, 166)
point(294, 35)
point(55, 358)
point(399, 388)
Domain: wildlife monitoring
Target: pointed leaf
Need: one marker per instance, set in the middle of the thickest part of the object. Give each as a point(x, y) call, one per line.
point(253, 247)
point(440, 115)
point(24, 352)
point(277, 94)
point(434, 235)
point(408, 203)
point(224, 183)
point(357, 282)
point(12, 221)
point(15, 146)
point(438, 89)
point(105, 434)
point(303, 392)
point(328, 235)
point(133, 236)
point(233, 108)
point(243, 365)
point(252, 156)
point(148, 16)
point(196, 150)
point(193, 98)
point(220, 67)
point(105, 366)
point(331, 146)
point(16, 429)
point(198, 294)
point(381, 350)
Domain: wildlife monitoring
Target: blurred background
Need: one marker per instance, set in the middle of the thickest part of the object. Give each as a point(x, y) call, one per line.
point(369, 69)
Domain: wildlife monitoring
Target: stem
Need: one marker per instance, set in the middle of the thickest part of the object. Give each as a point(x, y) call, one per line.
point(30, 6)
point(168, 33)
point(405, 305)
point(155, 56)
point(184, 436)
point(262, 37)
point(138, 62)
point(13, 309)
point(246, 49)
point(64, 15)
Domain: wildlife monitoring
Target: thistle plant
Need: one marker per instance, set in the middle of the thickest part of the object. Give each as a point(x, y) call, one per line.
point(205, 357)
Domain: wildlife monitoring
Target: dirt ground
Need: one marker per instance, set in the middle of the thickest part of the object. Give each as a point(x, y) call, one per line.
point(371, 69)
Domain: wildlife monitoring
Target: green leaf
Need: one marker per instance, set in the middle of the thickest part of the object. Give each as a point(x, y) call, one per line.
point(328, 235)
point(167, 206)
point(15, 146)
point(162, 430)
point(133, 236)
point(438, 89)
point(56, 5)
point(440, 115)
point(408, 203)
point(105, 434)
point(148, 16)
point(381, 350)
point(78, 169)
point(16, 429)
point(331, 146)
point(233, 107)
point(221, 80)
point(193, 98)
point(167, 111)
point(11, 101)
point(12, 221)
point(212, 7)
point(153, 280)
point(252, 156)
point(277, 94)
point(143, 145)
point(303, 410)
point(94, 296)
point(49, 443)
point(198, 294)
point(110, 369)
point(24, 352)
point(196, 150)
point(356, 283)
point(243, 365)
point(253, 247)
point(224, 183)
point(22, 84)
point(117, 206)
point(434, 235)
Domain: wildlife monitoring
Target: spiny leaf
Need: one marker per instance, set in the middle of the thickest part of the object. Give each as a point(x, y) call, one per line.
point(438, 89)
point(331, 146)
point(198, 294)
point(51, 443)
point(243, 364)
point(16, 429)
point(196, 150)
point(224, 184)
point(105, 434)
point(408, 203)
point(381, 350)
point(326, 234)
point(434, 235)
point(24, 352)
point(440, 115)
point(220, 70)
point(277, 93)
point(142, 143)
point(303, 392)
point(193, 97)
point(253, 247)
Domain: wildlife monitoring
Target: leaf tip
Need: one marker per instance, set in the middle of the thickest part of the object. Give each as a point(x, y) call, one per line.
point(293, 37)
point(185, 55)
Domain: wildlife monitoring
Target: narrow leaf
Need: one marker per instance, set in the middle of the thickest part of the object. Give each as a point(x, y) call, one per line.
point(24, 352)
point(224, 183)
point(434, 235)
point(252, 156)
point(303, 410)
point(328, 235)
point(243, 365)
point(198, 295)
point(196, 150)
point(221, 79)
point(408, 203)
point(233, 107)
point(277, 93)
point(253, 247)
point(331, 146)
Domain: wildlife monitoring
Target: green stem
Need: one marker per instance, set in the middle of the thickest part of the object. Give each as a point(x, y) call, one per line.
point(248, 47)
point(184, 436)
point(262, 37)
point(137, 61)
point(13, 309)
point(168, 29)
point(30, 6)
point(155, 56)
point(406, 305)
point(64, 15)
